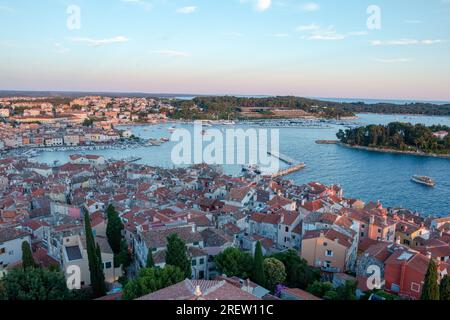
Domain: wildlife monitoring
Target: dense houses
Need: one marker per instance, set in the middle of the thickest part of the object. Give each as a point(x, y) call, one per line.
point(210, 211)
point(47, 122)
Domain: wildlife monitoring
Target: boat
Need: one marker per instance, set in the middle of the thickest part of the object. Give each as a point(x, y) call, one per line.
point(252, 169)
point(164, 140)
point(427, 181)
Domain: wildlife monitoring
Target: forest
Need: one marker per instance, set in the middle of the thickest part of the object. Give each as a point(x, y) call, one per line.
point(231, 107)
point(398, 136)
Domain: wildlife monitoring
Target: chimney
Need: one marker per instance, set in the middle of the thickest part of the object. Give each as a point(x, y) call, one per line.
point(372, 219)
point(198, 292)
point(428, 255)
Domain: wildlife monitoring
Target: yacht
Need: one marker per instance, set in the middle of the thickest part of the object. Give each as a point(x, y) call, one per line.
point(427, 181)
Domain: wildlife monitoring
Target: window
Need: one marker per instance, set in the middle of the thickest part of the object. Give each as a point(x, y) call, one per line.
point(362, 234)
point(2, 250)
point(325, 244)
point(415, 287)
point(108, 265)
point(194, 262)
point(363, 226)
point(329, 253)
point(287, 229)
point(202, 261)
point(11, 252)
point(327, 264)
point(379, 230)
point(196, 243)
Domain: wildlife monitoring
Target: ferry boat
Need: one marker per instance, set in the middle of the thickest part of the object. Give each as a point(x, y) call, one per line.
point(427, 181)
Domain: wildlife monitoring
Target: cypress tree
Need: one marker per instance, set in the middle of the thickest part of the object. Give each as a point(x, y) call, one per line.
point(258, 268)
point(430, 290)
point(114, 229)
point(101, 275)
point(95, 268)
point(27, 256)
point(150, 262)
point(444, 290)
point(177, 255)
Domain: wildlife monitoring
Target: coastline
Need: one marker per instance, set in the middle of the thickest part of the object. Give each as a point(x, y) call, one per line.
point(393, 151)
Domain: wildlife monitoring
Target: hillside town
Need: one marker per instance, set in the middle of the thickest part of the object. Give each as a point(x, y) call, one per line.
point(218, 220)
point(87, 121)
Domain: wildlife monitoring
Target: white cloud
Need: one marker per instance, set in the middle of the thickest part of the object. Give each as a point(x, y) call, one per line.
point(100, 42)
point(308, 27)
point(172, 53)
point(394, 60)
point(262, 5)
point(407, 42)
point(309, 7)
point(259, 5)
point(328, 34)
point(187, 10)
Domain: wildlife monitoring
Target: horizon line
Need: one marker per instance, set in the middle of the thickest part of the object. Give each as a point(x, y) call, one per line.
point(4, 92)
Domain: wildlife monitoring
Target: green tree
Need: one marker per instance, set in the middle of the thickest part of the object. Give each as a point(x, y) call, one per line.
point(299, 274)
point(150, 262)
point(274, 272)
point(347, 291)
point(95, 264)
point(35, 284)
point(258, 268)
point(88, 122)
point(27, 256)
point(177, 255)
point(430, 290)
point(123, 258)
point(100, 273)
point(444, 289)
point(320, 289)
point(234, 263)
point(114, 229)
point(151, 280)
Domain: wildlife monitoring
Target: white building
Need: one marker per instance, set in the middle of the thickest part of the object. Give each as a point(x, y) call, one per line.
point(11, 246)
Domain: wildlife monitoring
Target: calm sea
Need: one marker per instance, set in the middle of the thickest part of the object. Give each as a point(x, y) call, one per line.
point(369, 176)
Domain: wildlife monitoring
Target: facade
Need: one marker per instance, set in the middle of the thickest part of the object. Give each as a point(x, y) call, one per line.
point(11, 246)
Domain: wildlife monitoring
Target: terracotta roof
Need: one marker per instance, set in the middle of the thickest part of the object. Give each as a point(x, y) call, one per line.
point(300, 294)
point(200, 290)
point(330, 234)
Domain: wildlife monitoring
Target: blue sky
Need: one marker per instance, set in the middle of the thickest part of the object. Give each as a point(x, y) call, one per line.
point(320, 48)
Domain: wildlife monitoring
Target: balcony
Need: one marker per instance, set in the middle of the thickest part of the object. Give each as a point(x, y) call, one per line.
point(330, 269)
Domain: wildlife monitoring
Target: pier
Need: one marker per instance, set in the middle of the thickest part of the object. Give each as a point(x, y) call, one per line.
point(132, 159)
point(294, 165)
point(289, 170)
point(282, 157)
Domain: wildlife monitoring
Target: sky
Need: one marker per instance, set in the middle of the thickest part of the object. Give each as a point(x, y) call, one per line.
point(380, 49)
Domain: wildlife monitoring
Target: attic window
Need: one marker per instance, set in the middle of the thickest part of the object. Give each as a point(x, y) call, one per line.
point(325, 244)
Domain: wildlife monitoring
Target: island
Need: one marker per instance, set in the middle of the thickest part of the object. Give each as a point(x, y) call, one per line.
point(399, 137)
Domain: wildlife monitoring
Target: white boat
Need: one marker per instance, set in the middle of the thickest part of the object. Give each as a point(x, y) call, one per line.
point(427, 181)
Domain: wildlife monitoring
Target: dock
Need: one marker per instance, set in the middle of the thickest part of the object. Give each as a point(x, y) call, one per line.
point(289, 170)
point(132, 159)
point(282, 157)
point(294, 165)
